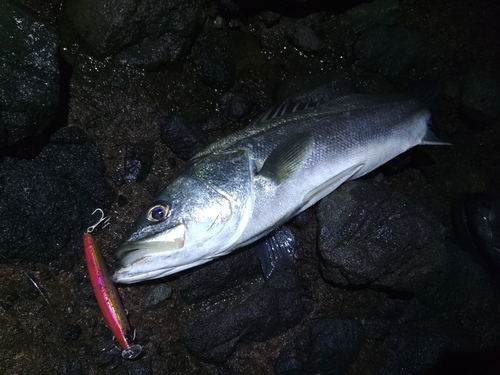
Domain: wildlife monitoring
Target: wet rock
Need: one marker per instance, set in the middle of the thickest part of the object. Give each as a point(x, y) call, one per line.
point(8, 297)
point(385, 242)
point(304, 39)
point(324, 346)
point(214, 69)
point(270, 18)
point(151, 54)
point(476, 226)
point(294, 8)
point(157, 297)
point(29, 74)
point(314, 89)
point(213, 123)
point(139, 367)
point(146, 34)
point(70, 332)
point(217, 276)
point(71, 366)
point(324, 87)
point(412, 353)
point(370, 15)
point(183, 134)
point(390, 51)
point(235, 107)
point(46, 203)
point(480, 98)
point(138, 161)
point(374, 237)
point(272, 309)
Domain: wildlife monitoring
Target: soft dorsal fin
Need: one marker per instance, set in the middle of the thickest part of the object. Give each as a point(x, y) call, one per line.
point(287, 157)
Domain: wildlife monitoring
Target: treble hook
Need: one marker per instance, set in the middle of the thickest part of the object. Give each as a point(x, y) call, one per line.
point(103, 219)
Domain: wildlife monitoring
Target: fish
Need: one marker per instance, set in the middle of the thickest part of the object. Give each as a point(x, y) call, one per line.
point(108, 298)
point(243, 188)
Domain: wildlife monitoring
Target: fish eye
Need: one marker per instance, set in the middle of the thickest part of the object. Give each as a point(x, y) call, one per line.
point(158, 212)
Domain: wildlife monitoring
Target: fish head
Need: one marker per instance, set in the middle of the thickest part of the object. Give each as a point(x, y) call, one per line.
point(188, 224)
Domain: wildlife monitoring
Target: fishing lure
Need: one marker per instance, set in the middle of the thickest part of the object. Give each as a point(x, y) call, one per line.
point(107, 295)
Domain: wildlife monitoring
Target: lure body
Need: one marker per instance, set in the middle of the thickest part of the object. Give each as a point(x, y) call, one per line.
point(108, 299)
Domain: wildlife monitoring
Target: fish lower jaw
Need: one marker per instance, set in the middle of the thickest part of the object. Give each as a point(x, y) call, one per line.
point(125, 277)
point(130, 274)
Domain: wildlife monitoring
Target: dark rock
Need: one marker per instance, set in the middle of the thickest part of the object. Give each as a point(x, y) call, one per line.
point(139, 367)
point(71, 366)
point(46, 203)
point(372, 236)
point(480, 99)
point(29, 74)
point(157, 297)
point(476, 227)
point(214, 69)
point(138, 161)
point(151, 54)
point(411, 353)
point(217, 276)
point(304, 39)
point(235, 107)
point(324, 346)
point(122, 200)
point(70, 332)
point(317, 89)
point(8, 297)
point(234, 24)
point(270, 18)
point(148, 33)
point(293, 8)
point(213, 123)
point(183, 134)
point(324, 87)
point(390, 51)
point(369, 15)
point(271, 310)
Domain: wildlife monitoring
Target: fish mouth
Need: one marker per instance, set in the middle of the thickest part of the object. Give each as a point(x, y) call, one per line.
point(148, 258)
point(172, 239)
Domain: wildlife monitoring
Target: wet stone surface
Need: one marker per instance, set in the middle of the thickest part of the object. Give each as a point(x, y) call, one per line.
point(379, 285)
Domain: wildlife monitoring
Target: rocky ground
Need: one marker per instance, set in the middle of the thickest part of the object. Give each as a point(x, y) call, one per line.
point(102, 102)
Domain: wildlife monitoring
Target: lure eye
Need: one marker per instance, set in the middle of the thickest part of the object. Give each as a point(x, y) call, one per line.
point(158, 212)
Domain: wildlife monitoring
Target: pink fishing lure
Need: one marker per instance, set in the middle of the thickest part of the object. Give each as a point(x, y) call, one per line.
point(108, 299)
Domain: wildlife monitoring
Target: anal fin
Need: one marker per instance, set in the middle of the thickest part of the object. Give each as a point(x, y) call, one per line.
point(431, 139)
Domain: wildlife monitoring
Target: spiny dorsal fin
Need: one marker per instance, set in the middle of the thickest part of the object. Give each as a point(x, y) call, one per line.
point(285, 107)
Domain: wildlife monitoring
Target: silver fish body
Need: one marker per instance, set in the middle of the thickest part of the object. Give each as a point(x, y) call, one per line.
point(243, 186)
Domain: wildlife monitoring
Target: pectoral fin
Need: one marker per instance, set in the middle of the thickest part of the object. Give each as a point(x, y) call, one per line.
point(275, 251)
point(287, 157)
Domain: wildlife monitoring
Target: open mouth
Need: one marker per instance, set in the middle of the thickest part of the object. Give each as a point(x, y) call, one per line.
point(171, 239)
